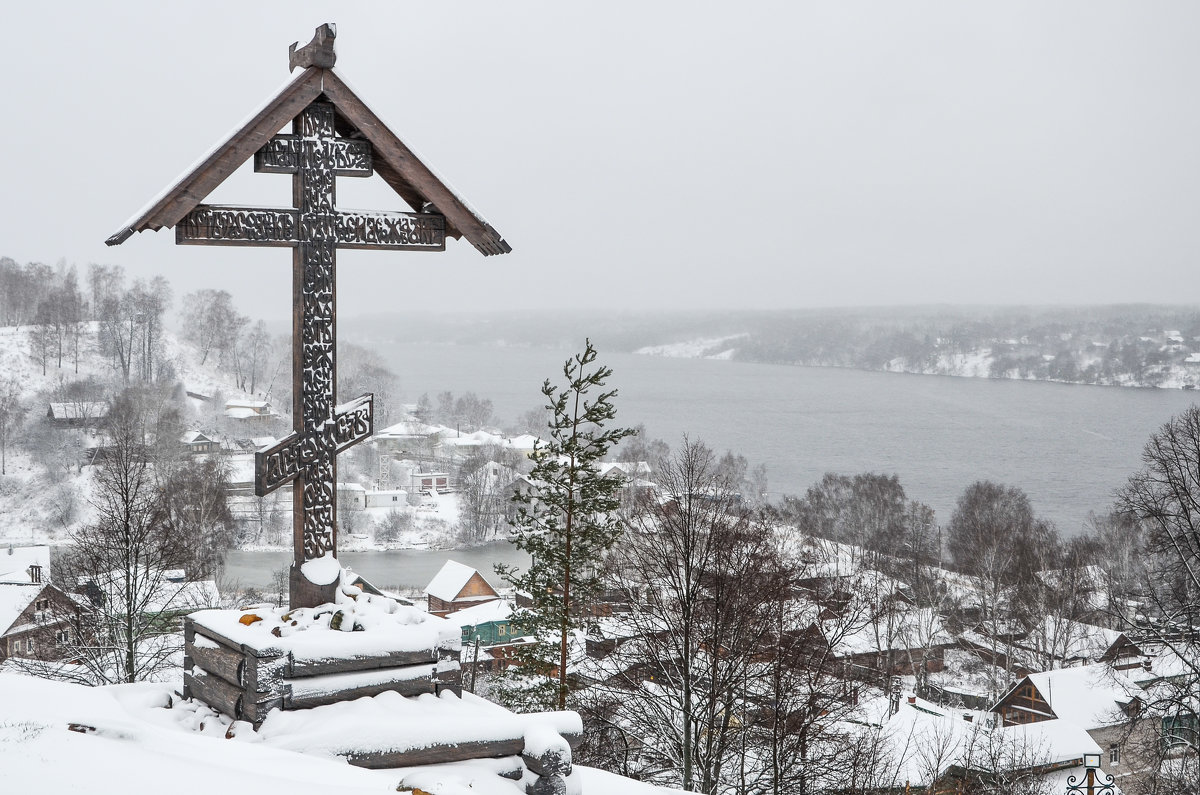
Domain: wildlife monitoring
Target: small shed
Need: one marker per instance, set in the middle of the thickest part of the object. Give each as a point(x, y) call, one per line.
point(390, 498)
point(457, 586)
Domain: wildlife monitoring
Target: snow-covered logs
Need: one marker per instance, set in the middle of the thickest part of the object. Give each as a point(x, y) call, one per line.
point(245, 663)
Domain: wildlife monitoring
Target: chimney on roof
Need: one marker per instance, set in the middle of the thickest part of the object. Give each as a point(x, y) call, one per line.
point(968, 717)
point(1146, 664)
point(35, 573)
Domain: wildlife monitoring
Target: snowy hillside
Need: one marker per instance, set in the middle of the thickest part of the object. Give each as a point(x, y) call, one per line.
point(130, 739)
point(44, 489)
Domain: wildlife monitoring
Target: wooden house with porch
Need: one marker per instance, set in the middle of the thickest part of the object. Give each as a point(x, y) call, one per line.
point(1103, 702)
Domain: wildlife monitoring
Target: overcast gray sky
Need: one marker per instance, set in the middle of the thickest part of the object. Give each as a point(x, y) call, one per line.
point(640, 155)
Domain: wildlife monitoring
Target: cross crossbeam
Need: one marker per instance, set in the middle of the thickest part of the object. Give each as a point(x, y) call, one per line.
point(214, 225)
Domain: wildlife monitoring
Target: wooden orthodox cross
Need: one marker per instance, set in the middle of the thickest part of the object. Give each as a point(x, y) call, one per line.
point(333, 135)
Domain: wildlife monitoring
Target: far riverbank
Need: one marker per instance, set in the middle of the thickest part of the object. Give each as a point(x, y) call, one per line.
point(393, 569)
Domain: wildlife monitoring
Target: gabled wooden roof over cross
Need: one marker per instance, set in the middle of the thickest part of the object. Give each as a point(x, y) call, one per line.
point(393, 161)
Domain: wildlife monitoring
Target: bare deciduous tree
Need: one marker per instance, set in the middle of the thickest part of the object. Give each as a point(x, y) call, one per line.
point(1164, 497)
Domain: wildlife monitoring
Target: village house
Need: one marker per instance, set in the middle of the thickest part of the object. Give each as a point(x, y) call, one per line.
point(908, 642)
point(351, 496)
point(429, 482)
point(409, 438)
point(389, 498)
point(489, 629)
point(37, 619)
point(1055, 641)
point(77, 413)
point(1105, 703)
point(933, 749)
point(198, 442)
point(163, 594)
point(457, 586)
point(248, 410)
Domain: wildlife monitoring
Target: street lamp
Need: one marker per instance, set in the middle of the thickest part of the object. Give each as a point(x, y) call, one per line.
point(1091, 783)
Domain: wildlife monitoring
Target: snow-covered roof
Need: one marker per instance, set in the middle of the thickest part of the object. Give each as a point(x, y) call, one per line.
point(160, 592)
point(495, 610)
point(14, 598)
point(1090, 696)
point(825, 558)
point(15, 562)
point(449, 580)
point(79, 410)
point(924, 740)
point(408, 428)
point(1050, 741)
point(1069, 639)
point(912, 628)
point(250, 404)
point(524, 441)
point(1089, 582)
point(351, 487)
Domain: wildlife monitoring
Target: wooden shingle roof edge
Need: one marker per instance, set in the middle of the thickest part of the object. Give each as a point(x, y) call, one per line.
point(395, 163)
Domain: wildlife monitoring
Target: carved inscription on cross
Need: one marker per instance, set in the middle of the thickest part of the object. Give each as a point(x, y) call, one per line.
point(315, 156)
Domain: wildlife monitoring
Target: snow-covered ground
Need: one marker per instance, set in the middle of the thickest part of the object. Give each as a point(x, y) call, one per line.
point(702, 348)
point(130, 739)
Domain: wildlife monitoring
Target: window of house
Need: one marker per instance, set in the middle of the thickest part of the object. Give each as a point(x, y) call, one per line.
point(501, 630)
point(62, 637)
point(1180, 730)
point(1114, 754)
point(29, 645)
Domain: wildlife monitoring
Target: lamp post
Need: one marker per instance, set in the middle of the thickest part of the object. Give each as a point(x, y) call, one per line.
point(1091, 783)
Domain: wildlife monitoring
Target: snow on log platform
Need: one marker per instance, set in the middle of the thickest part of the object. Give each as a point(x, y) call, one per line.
point(247, 663)
point(389, 731)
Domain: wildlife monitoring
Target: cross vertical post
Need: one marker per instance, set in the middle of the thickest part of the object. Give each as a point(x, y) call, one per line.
point(314, 503)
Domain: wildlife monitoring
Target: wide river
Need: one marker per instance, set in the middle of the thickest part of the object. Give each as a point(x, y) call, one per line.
point(1069, 447)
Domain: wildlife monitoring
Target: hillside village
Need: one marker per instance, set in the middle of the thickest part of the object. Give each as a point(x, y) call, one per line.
point(851, 666)
point(914, 691)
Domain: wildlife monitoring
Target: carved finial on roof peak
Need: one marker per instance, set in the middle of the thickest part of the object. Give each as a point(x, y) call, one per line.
point(318, 52)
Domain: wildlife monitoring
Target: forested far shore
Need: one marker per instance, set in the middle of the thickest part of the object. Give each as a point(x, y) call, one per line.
point(1120, 345)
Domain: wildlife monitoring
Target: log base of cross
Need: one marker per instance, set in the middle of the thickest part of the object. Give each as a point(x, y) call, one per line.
point(303, 591)
point(244, 664)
